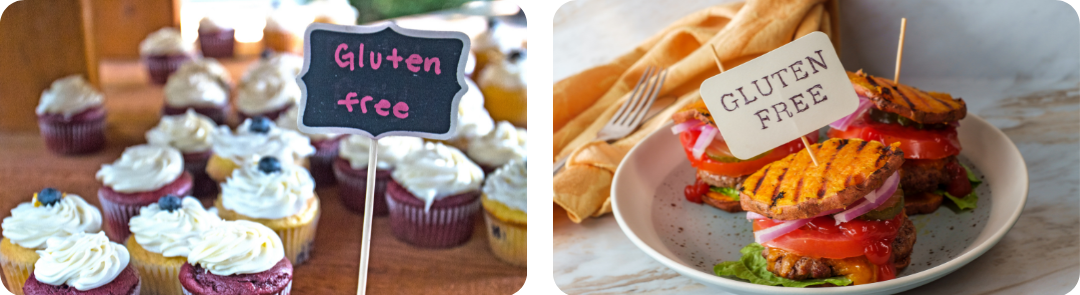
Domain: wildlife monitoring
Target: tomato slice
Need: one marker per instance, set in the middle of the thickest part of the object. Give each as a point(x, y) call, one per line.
point(916, 144)
point(823, 238)
point(718, 158)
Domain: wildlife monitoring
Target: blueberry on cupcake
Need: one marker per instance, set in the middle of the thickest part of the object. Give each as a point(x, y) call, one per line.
point(162, 236)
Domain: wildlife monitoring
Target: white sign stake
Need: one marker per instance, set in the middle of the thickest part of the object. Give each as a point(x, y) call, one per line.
point(780, 96)
point(369, 210)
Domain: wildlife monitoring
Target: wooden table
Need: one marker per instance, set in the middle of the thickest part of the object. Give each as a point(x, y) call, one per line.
point(395, 268)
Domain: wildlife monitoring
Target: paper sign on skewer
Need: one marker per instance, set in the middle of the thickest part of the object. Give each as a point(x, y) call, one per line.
point(377, 81)
point(780, 96)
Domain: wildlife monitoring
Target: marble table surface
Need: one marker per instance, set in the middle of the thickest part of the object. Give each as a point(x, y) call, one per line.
point(1039, 111)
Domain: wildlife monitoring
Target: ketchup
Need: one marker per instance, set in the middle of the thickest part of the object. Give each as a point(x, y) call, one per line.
point(823, 238)
point(696, 191)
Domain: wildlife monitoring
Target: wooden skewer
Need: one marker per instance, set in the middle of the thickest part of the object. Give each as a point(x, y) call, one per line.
point(716, 57)
point(806, 144)
point(369, 205)
point(900, 50)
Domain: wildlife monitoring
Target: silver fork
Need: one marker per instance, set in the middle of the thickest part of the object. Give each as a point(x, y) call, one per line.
point(632, 112)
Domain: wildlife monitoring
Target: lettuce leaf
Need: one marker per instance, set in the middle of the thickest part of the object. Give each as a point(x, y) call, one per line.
point(727, 191)
point(970, 200)
point(751, 267)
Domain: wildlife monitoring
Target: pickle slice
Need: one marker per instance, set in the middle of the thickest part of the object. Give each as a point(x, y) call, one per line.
point(887, 211)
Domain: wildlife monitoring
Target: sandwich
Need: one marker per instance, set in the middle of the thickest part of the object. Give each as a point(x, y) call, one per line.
point(719, 174)
point(924, 124)
point(840, 222)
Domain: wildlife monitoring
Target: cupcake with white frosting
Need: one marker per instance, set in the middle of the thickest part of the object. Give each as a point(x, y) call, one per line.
point(505, 86)
point(84, 263)
point(351, 169)
point(71, 116)
point(267, 91)
point(499, 147)
point(284, 31)
point(505, 201)
point(494, 43)
point(237, 257)
point(473, 120)
point(163, 51)
point(162, 236)
point(282, 61)
point(202, 85)
point(142, 175)
point(337, 12)
point(191, 134)
point(434, 197)
point(49, 214)
point(216, 37)
point(279, 195)
point(326, 147)
point(255, 138)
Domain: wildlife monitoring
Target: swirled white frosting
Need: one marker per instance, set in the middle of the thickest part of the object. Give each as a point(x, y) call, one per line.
point(391, 150)
point(265, 89)
point(142, 168)
point(172, 234)
point(244, 146)
point(166, 41)
point(237, 247)
point(30, 226)
point(253, 193)
point(509, 185)
point(83, 261)
point(286, 62)
point(200, 83)
point(437, 171)
point(501, 145)
point(213, 23)
point(189, 133)
point(473, 119)
point(69, 96)
point(289, 121)
point(506, 74)
point(206, 66)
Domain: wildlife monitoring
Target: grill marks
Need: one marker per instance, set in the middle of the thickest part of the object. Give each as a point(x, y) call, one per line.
point(918, 105)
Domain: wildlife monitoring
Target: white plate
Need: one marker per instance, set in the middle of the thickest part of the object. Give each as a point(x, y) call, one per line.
point(648, 203)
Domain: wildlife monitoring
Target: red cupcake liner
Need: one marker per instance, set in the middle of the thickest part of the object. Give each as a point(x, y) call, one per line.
point(217, 44)
point(118, 208)
point(197, 281)
point(202, 186)
point(322, 162)
point(82, 133)
point(271, 114)
point(219, 114)
point(161, 66)
point(122, 284)
point(449, 222)
point(352, 186)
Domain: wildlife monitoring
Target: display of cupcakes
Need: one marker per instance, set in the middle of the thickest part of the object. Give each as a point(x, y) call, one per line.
point(163, 51)
point(162, 236)
point(255, 138)
point(434, 197)
point(505, 87)
point(71, 116)
point(191, 134)
point(142, 175)
point(216, 37)
point(473, 120)
point(326, 148)
point(83, 263)
point(267, 91)
point(237, 257)
point(505, 201)
point(202, 85)
point(351, 169)
point(498, 147)
point(279, 195)
point(50, 214)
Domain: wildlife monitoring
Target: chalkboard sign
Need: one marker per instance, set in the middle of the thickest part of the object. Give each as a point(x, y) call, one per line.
point(381, 80)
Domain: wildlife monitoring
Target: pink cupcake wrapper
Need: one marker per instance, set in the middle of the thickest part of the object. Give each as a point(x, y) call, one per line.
point(116, 218)
point(435, 228)
point(217, 44)
point(322, 165)
point(73, 137)
point(202, 186)
point(161, 66)
point(286, 291)
point(218, 114)
point(353, 188)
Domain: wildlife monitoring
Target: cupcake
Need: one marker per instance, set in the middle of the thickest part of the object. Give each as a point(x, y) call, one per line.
point(164, 51)
point(284, 31)
point(499, 147)
point(50, 214)
point(504, 84)
point(71, 117)
point(252, 140)
point(191, 134)
point(142, 175)
point(351, 169)
point(333, 12)
point(434, 197)
point(216, 38)
point(237, 257)
point(326, 147)
point(201, 85)
point(284, 61)
point(162, 236)
point(267, 91)
point(473, 120)
point(488, 46)
point(504, 200)
point(83, 263)
point(279, 195)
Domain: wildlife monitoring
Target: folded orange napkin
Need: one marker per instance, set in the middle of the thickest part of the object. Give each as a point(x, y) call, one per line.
point(583, 103)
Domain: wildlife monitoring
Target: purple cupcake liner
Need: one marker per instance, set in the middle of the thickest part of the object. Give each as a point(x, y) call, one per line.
point(449, 222)
point(217, 44)
point(69, 138)
point(219, 114)
point(116, 214)
point(271, 114)
point(352, 186)
point(322, 162)
point(161, 66)
point(202, 187)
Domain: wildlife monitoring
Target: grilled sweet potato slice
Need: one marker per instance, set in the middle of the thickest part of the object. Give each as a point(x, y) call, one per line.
point(694, 110)
point(910, 102)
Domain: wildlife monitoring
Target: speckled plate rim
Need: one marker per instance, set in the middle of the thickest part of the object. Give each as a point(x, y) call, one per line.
point(644, 168)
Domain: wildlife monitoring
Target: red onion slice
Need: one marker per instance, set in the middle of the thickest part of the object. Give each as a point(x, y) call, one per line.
point(684, 126)
point(774, 232)
point(708, 133)
point(873, 200)
point(751, 215)
point(843, 123)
